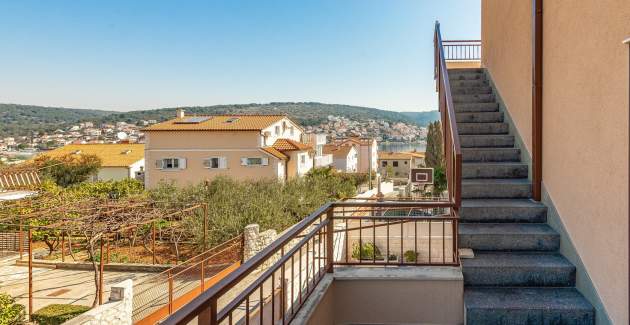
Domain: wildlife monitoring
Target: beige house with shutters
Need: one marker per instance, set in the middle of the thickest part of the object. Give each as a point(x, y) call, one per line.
point(192, 149)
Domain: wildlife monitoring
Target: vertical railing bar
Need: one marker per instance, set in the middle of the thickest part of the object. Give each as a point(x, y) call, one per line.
point(247, 310)
point(430, 240)
point(273, 297)
point(360, 241)
point(261, 304)
point(402, 240)
point(292, 282)
point(346, 239)
point(300, 275)
point(443, 243)
point(387, 234)
point(307, 266)
point(374, 242)
point(415, 242)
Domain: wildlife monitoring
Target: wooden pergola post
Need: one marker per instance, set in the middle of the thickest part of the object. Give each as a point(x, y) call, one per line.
point(205, 225)
point(100, 275)
point(63, 246)
point(153, 240)
point(30, 273)
point(21, 240)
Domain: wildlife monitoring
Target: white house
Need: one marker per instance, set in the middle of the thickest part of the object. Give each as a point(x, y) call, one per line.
point(345, 158)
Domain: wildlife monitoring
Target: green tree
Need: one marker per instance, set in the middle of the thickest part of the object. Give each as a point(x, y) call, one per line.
point(69, 169)
point(435, 149)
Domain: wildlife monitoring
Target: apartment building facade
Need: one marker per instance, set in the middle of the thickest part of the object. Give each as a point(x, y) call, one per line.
point(398, 165)
point(192, 149)
point(367, 150)
point(345, 158)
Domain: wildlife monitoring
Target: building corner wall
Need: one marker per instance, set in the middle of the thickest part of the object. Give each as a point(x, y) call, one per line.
point(585, 128)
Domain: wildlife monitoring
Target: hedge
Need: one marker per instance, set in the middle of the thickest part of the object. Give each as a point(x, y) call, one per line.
point(56, 314)
point(11, 313)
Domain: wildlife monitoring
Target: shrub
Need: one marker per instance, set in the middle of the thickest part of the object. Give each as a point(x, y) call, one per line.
point(411, 256)
point(367, 251)
point(58, 313)
point(11, 313)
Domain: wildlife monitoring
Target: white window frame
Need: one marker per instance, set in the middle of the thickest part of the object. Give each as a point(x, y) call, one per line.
point(177, 163)
point(221, 162)
point(246, 161)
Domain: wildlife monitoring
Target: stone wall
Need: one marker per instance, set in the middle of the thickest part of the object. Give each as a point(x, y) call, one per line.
point(255, 241)
point(117, 310)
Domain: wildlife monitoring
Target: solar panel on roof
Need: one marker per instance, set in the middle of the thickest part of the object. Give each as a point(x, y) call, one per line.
point(193, 120)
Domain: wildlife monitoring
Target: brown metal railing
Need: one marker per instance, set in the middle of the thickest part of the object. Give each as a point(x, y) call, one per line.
point(452, 148)
point(271, 287)
point(462, 50)
point(162, 294)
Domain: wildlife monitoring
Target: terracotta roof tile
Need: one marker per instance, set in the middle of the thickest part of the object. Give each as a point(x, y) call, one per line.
point(111, 155)
point(217, 123)
point(290, 145)
point(274, 152)
point(400, 155)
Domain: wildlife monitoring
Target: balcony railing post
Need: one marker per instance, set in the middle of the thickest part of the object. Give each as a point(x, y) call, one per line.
point(330, 233)
point(209, 315)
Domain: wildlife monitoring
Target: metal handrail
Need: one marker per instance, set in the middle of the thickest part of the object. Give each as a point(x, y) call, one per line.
point(452, 147)
point(318, 223)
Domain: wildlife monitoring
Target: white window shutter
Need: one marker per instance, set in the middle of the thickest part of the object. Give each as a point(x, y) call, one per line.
point(265, 161)
point(243, 161)
point(182, 163)
point(159, 164)
point(206, 163)
point(222, 162)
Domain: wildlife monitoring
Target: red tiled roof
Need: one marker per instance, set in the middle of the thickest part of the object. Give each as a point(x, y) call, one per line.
point(289, 145)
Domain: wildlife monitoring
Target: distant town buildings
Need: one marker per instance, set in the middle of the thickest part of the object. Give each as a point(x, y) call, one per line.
point(338, 127)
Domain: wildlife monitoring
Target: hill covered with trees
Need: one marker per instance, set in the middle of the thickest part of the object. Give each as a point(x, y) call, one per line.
point(25, 119)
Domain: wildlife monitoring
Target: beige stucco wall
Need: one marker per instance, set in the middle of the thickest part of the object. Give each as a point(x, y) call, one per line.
point(414, 295)
point(585, 128)
point(506, 53)
point(112, 173)
point(196, 146)
point(195, 172)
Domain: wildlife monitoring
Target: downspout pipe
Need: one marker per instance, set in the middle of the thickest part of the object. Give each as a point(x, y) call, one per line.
point(537, 98)
point(627, 42)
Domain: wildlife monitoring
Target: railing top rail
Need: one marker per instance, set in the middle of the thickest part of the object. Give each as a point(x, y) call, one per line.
point(461, 41)
point(447, 90)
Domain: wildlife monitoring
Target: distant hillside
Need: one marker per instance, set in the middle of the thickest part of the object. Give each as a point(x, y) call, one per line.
point(423, 118)
point(24, 119)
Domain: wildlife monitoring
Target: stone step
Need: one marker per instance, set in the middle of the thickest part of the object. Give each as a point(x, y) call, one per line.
point(476, 107)
point(494, 170)
point(469, 83)
point(527, 306)
point(475, 98)
point(470, 90)
point(487, 141)
point(491, 155)
point(500, 188)
point(502, 210)
point(479, 117)
point(482, 128)
point(465, 70)
point(508, 237)
point(518, 269)
point(466, 75)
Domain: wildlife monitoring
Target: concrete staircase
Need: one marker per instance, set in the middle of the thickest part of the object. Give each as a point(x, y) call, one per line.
point(517, 275)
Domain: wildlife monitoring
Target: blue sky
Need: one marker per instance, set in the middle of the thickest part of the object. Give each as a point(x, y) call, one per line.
point(127, 55)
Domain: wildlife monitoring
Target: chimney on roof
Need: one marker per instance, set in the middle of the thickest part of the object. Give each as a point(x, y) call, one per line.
point(180, 113)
